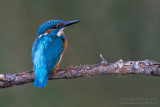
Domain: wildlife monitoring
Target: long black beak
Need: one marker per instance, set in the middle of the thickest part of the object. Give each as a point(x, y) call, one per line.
point(64, 24)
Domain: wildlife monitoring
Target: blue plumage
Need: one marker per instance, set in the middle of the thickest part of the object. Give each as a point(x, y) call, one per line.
point(47, 49)
point(48, 25)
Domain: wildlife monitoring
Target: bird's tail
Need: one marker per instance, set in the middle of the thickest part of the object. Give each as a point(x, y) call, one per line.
point(41, 78)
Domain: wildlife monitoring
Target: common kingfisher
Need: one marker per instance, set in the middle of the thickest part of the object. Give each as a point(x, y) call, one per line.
point(48, 49)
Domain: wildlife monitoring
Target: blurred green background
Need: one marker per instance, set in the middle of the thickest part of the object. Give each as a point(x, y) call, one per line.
point(119, 29)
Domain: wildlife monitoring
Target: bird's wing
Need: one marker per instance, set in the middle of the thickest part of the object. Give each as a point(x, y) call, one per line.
point(52, 48)
point(53, 52)
point(64, 48)
point(46, 53)
point(34, 48)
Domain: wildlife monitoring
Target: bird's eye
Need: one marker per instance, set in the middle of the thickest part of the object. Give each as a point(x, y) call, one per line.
point(53, 27)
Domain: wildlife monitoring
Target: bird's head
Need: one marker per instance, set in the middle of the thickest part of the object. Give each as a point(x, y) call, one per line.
point(54, 26)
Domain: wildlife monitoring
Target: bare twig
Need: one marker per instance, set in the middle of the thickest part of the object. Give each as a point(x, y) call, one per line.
point(148, 67)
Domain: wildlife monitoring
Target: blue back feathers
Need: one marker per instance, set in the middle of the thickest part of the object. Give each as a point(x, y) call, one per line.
point(46, 52)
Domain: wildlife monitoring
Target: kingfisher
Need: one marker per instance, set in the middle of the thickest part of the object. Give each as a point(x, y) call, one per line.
point(48, 49)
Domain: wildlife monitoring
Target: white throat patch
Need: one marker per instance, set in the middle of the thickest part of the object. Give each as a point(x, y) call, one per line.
point(60, 32)
point(43, 35)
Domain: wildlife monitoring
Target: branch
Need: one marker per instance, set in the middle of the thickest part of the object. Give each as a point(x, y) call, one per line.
point(147, 67)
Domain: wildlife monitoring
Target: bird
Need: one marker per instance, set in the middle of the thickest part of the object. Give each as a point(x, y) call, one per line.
point(48, 49)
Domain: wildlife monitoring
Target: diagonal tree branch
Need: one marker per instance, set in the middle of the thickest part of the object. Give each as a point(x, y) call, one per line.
point(147, 67)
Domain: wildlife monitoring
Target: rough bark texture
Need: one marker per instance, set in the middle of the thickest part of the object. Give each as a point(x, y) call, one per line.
point(147, 67)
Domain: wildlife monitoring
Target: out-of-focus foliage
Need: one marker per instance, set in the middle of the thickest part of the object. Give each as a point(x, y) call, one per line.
point(119, 29)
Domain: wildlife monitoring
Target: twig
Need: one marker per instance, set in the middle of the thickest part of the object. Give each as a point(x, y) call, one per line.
point(147, 67)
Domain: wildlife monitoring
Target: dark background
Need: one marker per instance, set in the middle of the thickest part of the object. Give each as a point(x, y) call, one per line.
point(118, 29)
